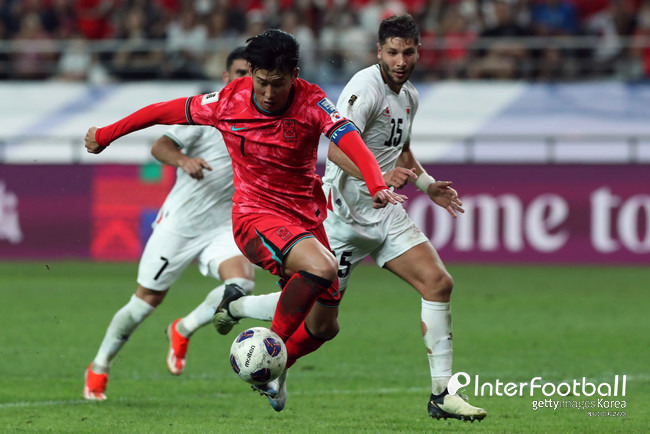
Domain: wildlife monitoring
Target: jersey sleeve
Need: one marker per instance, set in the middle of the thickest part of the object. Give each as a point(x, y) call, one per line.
point(165, 113)
point(358, 103)
point(203, 109)
point(184, 135)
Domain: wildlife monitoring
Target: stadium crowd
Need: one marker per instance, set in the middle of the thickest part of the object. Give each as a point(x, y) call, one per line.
point(104, 40)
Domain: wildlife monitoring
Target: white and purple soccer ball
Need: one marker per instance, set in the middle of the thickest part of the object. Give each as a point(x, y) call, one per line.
point(258, 355)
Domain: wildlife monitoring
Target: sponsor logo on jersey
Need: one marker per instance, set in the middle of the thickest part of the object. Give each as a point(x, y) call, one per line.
point(235, 128)
point(352, 100)
point(386, 112)
point(210, 98)
point(289, 128)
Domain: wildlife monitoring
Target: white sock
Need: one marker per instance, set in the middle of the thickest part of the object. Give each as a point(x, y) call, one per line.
point(260, 307)
point(436, 330)
point(202, 314)
point(119, 330)
point(205, 311)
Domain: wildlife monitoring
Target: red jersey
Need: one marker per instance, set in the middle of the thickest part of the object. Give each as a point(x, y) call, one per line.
point(273, 154)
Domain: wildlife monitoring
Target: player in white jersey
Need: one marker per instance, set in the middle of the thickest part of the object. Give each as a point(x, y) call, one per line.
point(382, 103)
point(194, 222)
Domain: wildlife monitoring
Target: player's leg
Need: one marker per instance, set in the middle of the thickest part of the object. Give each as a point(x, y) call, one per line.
point(422, 268)
point(238, 280)
point(163, 260)
point(221, 259)
point(408, 254)
point(312, 269)
point(122, 325)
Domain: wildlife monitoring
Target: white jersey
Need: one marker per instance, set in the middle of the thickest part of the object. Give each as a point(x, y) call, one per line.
point(194, 206)
point(384, 119)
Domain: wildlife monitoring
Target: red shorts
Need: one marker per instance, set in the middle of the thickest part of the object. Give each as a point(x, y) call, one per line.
point(266, 240)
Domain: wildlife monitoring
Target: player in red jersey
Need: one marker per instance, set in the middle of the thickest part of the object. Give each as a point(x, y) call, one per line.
point(271, 124)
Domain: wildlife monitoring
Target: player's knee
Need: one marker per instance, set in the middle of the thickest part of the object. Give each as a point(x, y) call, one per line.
point(444, 285)
point(438, 287)
point(324, 267)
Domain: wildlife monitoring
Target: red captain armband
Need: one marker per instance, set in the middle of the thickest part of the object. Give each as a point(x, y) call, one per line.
point(352, 145)
point(165, 113)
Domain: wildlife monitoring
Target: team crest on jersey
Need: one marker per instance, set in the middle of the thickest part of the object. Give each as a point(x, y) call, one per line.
point(283, 233)
point(330, 109)
point(289, 128)
point(352, 100)
point(210, 98)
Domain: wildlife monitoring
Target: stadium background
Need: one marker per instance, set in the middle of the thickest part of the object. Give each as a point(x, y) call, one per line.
point(537, 110)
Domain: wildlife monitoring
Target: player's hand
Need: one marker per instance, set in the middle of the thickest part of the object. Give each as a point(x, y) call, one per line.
point(398, 177)
point(91, 144)
point(194, 167)
point(443, 195)
point(386, 196)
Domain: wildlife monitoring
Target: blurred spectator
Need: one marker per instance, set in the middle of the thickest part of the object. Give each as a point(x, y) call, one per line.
point(221, 39)
point(373, 12)
point(94, 18)
point(554, 17)
point(476, 39)
point(34, 51)
point(459, 34)
point(345, 47)
point(504, 55)
point(135, 58)
point(186, 46)
point(639, 65)
point(77, 63)
point(429, 20)
point(59, 19)
point(290, 22)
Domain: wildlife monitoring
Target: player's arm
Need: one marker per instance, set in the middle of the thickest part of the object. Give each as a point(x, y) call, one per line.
point(167, 152)
point(440, 192)
point(167, 113)
point(396, 178)
point(348, 139)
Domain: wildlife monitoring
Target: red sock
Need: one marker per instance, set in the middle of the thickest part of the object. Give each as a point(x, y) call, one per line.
point(296, 300)
point(301, 343)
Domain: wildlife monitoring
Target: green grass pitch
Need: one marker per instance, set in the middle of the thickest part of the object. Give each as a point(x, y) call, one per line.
point(511, 323)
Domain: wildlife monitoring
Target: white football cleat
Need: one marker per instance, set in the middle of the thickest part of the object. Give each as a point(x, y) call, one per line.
point(453, 406)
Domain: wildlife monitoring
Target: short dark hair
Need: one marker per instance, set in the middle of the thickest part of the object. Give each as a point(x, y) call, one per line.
point(237, 53)
point(273, 50)
point(399, 26)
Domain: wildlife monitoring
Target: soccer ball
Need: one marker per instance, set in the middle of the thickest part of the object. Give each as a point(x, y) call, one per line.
point(258, 355)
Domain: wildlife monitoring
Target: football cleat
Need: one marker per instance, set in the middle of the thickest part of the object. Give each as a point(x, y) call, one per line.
point(177, 349)
point(223, 321)
point(275, 391)
point(453, 406)
point(94, 385)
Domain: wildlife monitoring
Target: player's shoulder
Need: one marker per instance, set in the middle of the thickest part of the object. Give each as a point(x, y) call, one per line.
point(307, 92)
point(366, 82)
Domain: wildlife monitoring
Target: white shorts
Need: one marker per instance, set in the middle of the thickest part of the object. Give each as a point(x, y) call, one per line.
point(382, 241)
point(167, 254)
